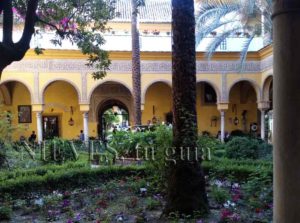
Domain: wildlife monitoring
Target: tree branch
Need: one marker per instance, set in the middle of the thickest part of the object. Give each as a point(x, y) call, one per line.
point(78, 9)
point(60, 32)
point(30, 21)
point(7, 22)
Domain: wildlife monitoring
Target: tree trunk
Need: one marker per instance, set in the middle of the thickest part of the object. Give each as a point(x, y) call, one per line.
point(136, 66)
point(9, 51)
point(186, 183)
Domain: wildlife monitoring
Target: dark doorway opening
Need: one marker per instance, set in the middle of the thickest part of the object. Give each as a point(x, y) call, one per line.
point(50, 127)
point(113, 116)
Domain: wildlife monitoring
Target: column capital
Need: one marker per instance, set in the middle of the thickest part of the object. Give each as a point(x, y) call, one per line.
point(263, 105)
point(223, 106)
point(281, 7)
point(37, 107)
point(84, 107)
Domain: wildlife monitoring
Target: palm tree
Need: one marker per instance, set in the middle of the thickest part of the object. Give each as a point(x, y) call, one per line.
point(186, 184)
point(253, 17)
point(136, 62)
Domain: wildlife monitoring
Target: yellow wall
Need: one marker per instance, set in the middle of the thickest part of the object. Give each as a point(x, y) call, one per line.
point(244, 98)
point(59, 97)
point(205, 113)
point(20, 96)
point(158, 95)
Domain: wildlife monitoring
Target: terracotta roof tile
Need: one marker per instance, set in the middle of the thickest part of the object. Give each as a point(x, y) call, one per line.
point(153, 11)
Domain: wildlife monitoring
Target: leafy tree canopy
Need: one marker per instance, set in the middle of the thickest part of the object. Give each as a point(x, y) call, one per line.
point(80, 21)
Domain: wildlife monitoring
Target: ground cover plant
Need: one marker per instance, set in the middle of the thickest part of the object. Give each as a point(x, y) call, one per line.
point(74, 189)
point(134, 198)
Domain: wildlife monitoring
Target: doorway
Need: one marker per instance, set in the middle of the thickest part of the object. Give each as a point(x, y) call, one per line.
point(50, 127)
point(113, 116)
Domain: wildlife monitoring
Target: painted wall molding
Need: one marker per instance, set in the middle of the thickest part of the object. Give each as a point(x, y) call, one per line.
point(121, 66)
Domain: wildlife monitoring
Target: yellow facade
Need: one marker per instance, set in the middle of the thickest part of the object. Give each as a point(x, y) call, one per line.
point(67, 90)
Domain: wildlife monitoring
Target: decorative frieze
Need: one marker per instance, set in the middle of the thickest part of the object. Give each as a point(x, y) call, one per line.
point(84, 87)
point(121, 66)
point(224, 94)
point(36, 98)
point(266, 63)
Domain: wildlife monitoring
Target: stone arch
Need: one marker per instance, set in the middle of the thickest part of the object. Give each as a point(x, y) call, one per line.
point(103, 106)
point(30, 90)
point(5, 94)
point(98, 95)
point(145, 89)
point(253, 83)
point(266, 87)
point(106, 101)
point(90, 92)
point(43, 89)
point(213, 85)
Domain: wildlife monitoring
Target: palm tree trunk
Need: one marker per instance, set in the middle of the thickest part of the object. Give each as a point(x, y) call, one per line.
point(136, 66)
point(186, 183)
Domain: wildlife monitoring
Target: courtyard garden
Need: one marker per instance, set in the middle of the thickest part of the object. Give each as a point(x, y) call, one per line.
point(124, 181)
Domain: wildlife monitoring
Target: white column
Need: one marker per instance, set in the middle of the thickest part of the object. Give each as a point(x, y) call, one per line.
point(262, 24)
point(262, 124)
point(86, 126)
point(286, 47)
point(39, 127)
point(222, 125)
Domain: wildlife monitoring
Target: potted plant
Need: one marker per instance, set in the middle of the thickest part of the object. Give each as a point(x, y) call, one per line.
point(213, 33)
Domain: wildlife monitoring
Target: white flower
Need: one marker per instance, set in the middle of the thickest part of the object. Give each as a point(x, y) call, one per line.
point(229, 204)
point(235, 185)
point(39, 202)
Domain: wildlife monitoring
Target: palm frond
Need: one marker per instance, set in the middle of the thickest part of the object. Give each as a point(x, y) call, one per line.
point(214, 11)
point(212, 47)
point(244, 51)
point(204, 30)
point(248, 6)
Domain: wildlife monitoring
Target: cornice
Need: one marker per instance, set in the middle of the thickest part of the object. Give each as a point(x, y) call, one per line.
point(265, 52)
point(152, 62)
point(125, 55)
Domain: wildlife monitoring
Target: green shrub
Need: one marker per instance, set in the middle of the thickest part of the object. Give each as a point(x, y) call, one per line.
point(136, 184)
point(220, 195)
point(5, 212)
point(208, 145)
point(259, 190)
point(242, 148)
point(59, 151)
point(237, 133)
point(126, 143)
point(220, 153)
point(152, 204)
point(3, 157)
point(248, 148)
point(157, 167)
point(65, 177)
point(131, 202)
point(265, 151)
point(239, 170)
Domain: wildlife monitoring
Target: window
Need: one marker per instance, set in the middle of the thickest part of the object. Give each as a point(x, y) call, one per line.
point(210, 96)
point(223, 45)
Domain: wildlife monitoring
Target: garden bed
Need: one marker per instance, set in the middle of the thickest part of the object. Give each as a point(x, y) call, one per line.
point(134, 199)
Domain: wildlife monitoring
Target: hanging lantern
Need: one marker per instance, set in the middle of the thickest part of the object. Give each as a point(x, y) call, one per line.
point(71, 122)
point(236, 121)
